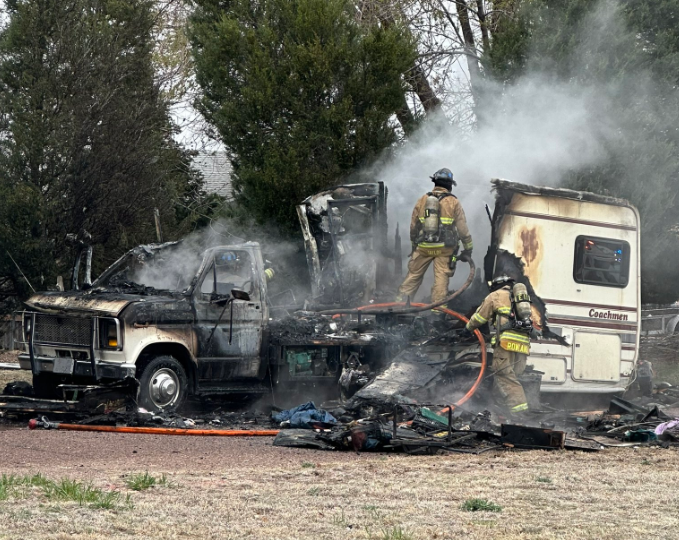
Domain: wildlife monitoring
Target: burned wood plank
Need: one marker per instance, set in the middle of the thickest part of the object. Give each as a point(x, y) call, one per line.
point(532, 438)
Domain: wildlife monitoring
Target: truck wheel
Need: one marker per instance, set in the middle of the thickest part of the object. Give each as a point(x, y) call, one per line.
point(163, 384)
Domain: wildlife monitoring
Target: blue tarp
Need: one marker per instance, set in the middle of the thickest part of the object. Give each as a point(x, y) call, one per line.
point(303, 416)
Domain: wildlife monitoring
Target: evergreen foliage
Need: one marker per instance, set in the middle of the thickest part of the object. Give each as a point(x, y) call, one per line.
point(85, 140)
point(300, 93)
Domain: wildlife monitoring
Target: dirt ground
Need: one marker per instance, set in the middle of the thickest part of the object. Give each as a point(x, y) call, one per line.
point(246, 488)
point(233, 488)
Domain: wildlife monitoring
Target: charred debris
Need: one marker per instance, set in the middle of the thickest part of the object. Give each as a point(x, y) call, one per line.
point(348, 252)
point(403, 379)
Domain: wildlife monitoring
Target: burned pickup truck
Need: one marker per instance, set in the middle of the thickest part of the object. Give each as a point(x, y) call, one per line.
point(188, 320)
point(182, 322)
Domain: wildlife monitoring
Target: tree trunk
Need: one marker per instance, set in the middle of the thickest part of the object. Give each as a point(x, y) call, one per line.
point(406, 118)
point(483, 23)
point(417, 79)
point(420, 83)
point(475, 75)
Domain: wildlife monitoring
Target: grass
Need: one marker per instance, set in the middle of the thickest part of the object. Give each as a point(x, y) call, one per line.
point(85, 494)
point(266, 495)
point(82, 493)
point(340, 520)
point(143, 481)
point(396, 533)
point(480, 505)
point(19, 487)
point(543, 479)
point(307, 465)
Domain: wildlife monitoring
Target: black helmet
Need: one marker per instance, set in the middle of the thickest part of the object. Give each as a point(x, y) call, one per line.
point(444, 178)
point(500, 281)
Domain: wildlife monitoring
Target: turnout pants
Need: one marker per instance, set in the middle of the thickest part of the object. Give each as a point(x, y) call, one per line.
point(417, 267)
point(506, 386)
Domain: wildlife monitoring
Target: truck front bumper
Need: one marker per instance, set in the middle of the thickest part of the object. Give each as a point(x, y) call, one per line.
point(77, 368)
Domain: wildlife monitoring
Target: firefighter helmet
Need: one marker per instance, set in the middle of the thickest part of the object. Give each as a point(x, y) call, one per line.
point(500, 281)
point(443, 177)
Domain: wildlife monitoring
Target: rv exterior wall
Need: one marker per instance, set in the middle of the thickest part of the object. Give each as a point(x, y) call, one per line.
point(543, 231)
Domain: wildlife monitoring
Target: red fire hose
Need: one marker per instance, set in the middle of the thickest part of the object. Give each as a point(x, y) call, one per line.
point(35, 423)
point(478, 335)
point(375, 309)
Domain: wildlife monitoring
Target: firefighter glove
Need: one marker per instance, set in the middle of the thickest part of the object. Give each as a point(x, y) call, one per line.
point(413, 245)
point(465, 333)
point(465, 256)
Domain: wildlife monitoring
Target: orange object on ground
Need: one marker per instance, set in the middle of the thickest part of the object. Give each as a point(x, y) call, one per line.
point(33, 424)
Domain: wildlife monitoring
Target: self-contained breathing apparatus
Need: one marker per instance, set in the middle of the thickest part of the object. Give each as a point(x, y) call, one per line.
point(514, 335)
point(521, 309)
point(431, 231)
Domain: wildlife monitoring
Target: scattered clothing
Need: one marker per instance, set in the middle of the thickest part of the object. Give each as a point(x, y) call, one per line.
point(305, 416)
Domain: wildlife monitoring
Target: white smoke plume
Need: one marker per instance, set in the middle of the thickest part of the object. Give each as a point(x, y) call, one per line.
point(537, 131)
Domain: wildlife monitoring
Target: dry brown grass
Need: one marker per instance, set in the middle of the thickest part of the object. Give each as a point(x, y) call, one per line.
point(7, 376)
point(611, 495)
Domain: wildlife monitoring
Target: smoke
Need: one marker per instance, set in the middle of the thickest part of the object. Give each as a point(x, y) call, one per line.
point(173, 266)
point(536, 131)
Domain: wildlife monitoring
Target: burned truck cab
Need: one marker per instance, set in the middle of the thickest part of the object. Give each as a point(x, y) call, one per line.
point(179, 318)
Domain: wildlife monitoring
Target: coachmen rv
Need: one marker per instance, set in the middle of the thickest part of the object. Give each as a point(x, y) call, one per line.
point(579, 254)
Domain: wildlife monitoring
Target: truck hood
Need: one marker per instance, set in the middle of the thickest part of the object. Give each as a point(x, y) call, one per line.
point(109, 304)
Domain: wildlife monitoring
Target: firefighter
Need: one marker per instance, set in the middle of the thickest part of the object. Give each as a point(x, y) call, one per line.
point(436, 228)
point(511, 342)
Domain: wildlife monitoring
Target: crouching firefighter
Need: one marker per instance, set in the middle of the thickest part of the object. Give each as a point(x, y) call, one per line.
point(508, 308)
point(438, 224)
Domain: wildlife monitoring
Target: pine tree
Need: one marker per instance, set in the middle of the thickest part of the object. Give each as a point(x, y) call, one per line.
point(85, 137)
point(299, 92)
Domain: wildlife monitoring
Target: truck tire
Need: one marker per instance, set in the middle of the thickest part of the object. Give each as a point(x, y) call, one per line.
point(163, 384)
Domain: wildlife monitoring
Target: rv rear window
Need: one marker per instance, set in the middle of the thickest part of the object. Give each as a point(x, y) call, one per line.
point(601, 261)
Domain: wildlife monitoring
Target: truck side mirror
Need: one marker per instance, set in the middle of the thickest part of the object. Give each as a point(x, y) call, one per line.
point(240, 295)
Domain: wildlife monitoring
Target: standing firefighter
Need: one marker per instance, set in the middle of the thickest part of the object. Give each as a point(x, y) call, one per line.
point(508, 308)
point(436, 228)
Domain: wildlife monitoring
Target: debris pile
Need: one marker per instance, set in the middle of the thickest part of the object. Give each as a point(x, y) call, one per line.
point(425, 430)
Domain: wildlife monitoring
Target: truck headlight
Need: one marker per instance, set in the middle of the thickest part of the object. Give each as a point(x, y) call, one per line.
point(110, 336)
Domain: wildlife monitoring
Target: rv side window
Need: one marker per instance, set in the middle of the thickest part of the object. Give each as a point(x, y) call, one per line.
point(601, 261)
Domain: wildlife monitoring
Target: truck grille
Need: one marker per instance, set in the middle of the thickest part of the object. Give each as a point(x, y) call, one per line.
point(62, 330)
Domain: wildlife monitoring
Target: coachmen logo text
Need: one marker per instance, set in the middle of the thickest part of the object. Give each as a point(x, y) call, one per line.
point(607, 315)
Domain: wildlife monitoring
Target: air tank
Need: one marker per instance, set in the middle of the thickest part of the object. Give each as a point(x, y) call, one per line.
point(521, 302)
point(431, 219)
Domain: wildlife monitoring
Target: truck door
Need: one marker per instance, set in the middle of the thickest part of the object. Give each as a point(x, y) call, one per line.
point(229, 330)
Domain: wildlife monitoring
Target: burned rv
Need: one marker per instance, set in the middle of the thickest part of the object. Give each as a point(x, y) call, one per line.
point(188, 321)
point(578, 253)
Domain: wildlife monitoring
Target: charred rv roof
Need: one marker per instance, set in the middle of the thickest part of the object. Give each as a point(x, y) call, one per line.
point(500, 185)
